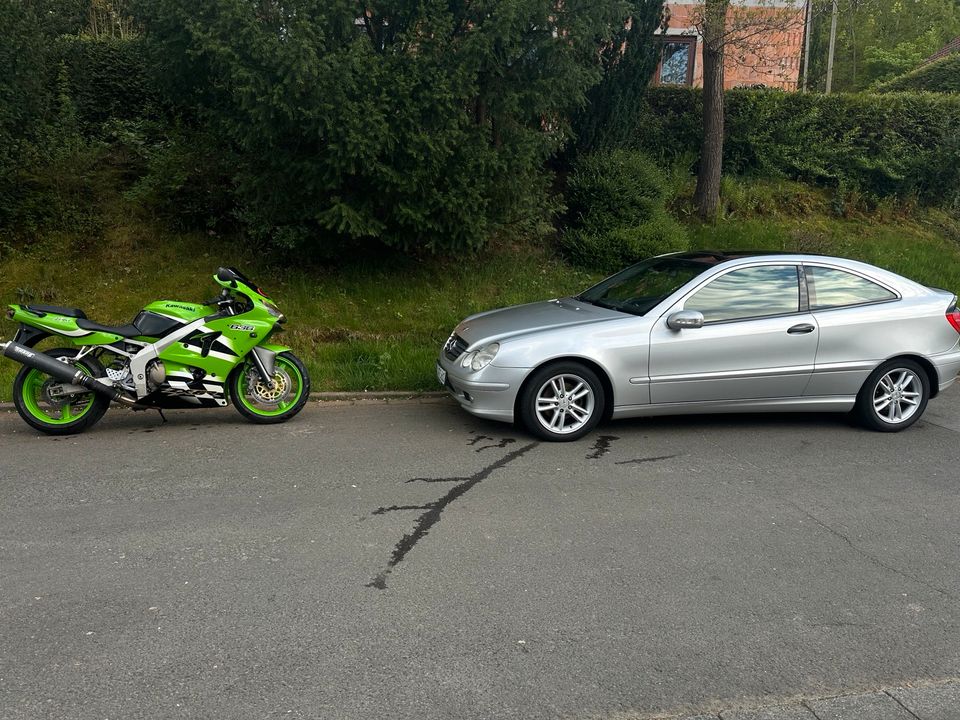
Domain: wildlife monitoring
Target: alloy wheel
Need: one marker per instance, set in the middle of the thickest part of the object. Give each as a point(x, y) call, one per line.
point(564, 404)
point(897, 396)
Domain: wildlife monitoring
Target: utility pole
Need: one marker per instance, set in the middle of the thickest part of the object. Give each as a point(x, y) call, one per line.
point(806, 43)
point(833, 43)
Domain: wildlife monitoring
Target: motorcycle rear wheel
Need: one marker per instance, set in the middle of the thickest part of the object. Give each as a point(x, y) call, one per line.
point(264, 405)
point(58, 416)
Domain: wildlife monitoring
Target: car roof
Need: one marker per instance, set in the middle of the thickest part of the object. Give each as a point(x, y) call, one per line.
point(713, 257)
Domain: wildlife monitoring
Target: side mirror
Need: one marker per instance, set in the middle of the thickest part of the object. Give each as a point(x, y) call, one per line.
point(685, 320)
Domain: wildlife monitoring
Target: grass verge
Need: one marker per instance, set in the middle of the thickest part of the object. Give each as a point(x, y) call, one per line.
point(377, 323)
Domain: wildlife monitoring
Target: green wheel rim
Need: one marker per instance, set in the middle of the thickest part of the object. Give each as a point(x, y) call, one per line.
point(271, 409)
point(32, 394)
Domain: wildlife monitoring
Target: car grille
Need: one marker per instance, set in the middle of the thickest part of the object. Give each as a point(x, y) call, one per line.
point(455, 347)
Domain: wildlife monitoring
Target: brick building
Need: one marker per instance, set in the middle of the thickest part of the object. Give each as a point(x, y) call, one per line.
point(768, 49)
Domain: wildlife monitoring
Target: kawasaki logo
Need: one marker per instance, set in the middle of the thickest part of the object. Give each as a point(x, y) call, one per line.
point(180, 307)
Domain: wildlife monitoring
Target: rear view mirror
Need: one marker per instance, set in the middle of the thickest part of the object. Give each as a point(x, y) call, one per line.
point(685, 320)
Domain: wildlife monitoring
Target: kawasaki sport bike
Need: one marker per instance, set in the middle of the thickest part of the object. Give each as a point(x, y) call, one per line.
point(173, 355)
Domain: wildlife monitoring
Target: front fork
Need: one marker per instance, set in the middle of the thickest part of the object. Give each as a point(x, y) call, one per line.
point(265, 362)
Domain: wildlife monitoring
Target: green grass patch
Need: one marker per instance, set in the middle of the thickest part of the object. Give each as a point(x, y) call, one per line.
point(377, 321)
point(371, 324)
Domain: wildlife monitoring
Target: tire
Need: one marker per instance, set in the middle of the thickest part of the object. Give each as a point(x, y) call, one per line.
point(54, 416)
point(263, 405)
point(562, 402)
point(909, 387)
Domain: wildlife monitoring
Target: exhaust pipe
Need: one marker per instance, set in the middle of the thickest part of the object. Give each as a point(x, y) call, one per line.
point(61, 371)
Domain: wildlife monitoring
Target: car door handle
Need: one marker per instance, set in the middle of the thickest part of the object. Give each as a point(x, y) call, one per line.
point(801, 329)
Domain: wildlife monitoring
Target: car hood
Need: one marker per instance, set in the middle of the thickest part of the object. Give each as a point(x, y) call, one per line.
point(535, 317)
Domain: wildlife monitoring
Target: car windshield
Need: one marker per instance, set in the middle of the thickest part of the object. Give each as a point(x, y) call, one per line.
point(641, 287)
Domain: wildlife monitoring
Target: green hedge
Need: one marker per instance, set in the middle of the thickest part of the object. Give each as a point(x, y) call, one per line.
point(887, 145)
point(108, 78)
point(616, 213)
point(942, 76)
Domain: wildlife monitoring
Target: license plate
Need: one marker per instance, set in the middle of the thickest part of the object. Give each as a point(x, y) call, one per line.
point(441, 375)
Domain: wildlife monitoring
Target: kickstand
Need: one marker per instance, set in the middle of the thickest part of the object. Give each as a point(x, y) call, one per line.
point(162, 416)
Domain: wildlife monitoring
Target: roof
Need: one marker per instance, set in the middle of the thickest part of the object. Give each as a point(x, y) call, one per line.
point(948, 49)
point(713, 257)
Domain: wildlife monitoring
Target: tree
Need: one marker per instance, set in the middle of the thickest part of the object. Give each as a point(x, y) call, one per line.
point(736, 33)
point(880, 39)
point(628, 61)
point(423, 124)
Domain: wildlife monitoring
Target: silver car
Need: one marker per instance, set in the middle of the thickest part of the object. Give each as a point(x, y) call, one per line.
point(709, 332)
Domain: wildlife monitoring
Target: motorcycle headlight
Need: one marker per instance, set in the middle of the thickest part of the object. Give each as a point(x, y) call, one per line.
point(479, 359)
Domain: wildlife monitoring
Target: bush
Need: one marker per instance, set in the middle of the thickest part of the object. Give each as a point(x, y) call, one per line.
point(55, 93)
point(942, 76)
point(616, 211)
point(892, 145)
point(425, 128)
point(107, 78)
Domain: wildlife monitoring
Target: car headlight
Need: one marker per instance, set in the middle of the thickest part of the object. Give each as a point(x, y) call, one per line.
point(479, 359)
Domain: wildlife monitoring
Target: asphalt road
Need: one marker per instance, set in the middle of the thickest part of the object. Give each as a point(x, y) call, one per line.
point(405, 560)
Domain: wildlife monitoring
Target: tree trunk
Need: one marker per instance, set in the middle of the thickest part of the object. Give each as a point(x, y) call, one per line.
point(706, 198)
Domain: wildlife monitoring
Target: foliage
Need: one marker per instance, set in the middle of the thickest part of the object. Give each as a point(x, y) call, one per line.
point(893, 145)
point(38, 120)
point(879, 39)
point(422, 124)
point(942, 75)
point(377, 322)
point(185, 176)
point(628, 62)
point(55, 91)
point(616, 211)
point(107, 78)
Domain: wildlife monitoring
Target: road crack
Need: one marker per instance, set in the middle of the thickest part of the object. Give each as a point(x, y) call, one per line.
point(434, 510)
point(875, 560)
point(637, 461)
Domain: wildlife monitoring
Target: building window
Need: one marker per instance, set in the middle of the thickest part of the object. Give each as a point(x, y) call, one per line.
point(677, 56)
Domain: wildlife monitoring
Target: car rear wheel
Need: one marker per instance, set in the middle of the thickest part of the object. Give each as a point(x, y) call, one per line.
point(894, 396)
point(562, 402)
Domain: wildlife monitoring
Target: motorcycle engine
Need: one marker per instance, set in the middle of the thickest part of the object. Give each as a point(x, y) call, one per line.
point(156, 374)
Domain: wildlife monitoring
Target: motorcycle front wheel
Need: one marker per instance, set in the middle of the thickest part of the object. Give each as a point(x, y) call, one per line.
point(260, 403)
point(43, 408)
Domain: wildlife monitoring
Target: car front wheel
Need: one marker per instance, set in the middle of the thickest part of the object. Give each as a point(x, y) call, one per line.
point(894, 396)
point(562, 402)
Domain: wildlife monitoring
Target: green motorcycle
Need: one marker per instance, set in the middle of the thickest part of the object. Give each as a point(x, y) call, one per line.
point(173, 355)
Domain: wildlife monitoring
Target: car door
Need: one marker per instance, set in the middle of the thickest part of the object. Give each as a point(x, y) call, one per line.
point(757, 340)
point(860, 322)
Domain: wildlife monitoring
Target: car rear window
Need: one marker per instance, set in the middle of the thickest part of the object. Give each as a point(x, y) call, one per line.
point(832, 288)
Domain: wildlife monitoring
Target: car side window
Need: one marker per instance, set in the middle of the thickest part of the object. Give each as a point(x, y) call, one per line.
point(752, 292)
point(831, 288)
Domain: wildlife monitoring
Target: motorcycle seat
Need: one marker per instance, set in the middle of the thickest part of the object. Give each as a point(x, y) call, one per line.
point(57, 310)
point(127, 331)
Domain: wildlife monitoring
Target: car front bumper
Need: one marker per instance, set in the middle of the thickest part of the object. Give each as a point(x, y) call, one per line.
point(488, 393)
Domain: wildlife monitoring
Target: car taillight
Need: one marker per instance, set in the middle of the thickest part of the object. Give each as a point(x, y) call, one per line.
point(953, 317)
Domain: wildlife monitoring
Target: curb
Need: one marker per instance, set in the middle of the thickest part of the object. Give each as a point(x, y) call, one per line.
point(383, 396)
